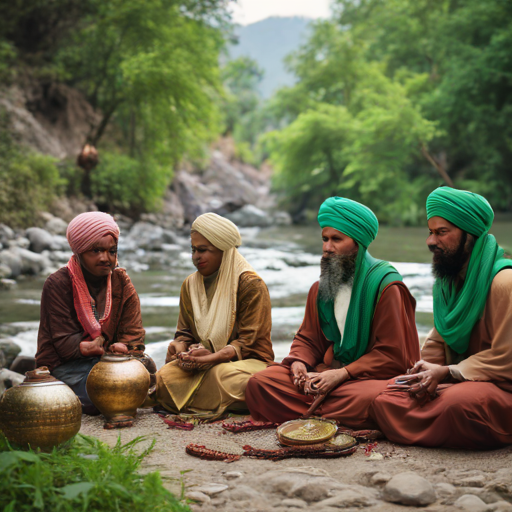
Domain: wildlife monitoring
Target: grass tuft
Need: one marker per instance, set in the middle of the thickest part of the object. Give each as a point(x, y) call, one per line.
point(87, 475)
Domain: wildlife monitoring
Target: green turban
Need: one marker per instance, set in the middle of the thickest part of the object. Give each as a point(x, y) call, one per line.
point(371, 277)
point(468, 211)
point(456, 311)
point(350, 218)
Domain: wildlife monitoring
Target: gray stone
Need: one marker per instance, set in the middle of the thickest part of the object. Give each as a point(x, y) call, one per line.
point(60, 243)
point(348, 498)
point(282, 219)
point(232, 475)
point(294, 503)
point(21, 241)
point(500, 506)
point(32, 262)
point(5, 271)
point(243, 493)
point(9, 379)
point(249, 216)
point(39, 238)
point(198, 496)
point(211, 489)
point(7, 284)
point(409, 489)
point(380, 478)
point(6, 233)
point(12, 260)
point(473, 481)
point(147, 236)
point(56, 226)
point(470, 503)
point(445, 489)
point(10, 350)
point(2, 359)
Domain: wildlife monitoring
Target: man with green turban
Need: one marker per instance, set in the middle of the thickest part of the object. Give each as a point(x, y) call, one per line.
point(460, 394)
point(358, 329)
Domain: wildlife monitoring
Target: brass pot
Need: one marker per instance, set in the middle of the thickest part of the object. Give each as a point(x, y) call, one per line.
point(117, 386)
point(41, 412)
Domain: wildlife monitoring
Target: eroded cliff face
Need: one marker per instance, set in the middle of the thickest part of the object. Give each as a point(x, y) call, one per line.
point(50, 118)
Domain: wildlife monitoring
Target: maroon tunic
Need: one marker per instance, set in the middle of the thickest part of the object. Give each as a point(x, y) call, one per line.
point(60, 331)
point(393, 348)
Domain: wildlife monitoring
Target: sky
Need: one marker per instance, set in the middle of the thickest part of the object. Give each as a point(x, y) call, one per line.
point(246, 12)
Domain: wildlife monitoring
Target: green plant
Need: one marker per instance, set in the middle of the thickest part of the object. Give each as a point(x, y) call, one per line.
point(88, 475)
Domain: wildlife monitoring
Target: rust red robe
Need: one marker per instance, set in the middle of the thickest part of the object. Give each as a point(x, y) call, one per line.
point(474, 408)
point(393, 347)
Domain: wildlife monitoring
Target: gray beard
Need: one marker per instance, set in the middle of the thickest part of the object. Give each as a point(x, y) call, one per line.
point(336, 271)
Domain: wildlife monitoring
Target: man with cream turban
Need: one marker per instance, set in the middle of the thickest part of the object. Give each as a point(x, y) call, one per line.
point(223, 333)
point(89, 306)
point(460, 394)
point(358, 329)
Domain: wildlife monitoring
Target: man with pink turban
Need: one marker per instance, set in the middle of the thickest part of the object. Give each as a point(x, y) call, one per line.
point(88, 307)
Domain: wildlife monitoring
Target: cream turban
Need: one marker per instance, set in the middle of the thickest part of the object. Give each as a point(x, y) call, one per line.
point(215, 322)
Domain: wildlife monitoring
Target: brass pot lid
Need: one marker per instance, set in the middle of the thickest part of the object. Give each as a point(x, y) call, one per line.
point(310, 431)
point(115, 358)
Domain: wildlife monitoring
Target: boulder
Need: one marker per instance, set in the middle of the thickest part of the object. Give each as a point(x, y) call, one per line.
point(282, 219)
point(9, 379)
point(249, 216)
point(5, 271)
point(349, 498)
point(6, 234)
point(10, 351)
point(147, 236)
point(7, 284)
point(11, 259)
point(59, 243)
point(21, 241)
point(57, 226)
point(32, 263)
point(39, 238)
point(470, 503)
point(409, 489)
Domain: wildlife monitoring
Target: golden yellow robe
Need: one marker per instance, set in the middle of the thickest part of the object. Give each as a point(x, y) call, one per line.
point(209, 393)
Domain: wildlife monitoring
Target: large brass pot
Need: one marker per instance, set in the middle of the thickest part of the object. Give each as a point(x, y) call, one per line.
point(41, 412)
point(117, 386)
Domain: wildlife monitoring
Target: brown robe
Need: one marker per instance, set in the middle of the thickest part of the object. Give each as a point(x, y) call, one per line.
point(474, 408)
point(60, 331)
point(393, 347)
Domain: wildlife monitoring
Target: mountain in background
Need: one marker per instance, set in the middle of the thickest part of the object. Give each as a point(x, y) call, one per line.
point(268, 42)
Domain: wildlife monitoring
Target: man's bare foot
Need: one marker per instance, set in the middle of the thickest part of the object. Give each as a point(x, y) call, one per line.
point(91, 348)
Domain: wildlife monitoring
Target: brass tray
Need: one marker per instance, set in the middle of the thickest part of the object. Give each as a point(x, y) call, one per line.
point(303, 432)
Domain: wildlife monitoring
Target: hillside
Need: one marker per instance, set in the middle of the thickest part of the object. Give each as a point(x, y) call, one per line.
point(268, 42)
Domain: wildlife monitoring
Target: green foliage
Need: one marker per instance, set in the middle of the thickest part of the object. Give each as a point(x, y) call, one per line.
point(29, 182)
point(88, 476)
point(128, 184)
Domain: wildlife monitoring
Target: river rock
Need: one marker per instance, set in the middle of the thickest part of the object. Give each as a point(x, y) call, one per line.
point(56, 226)
point(10, 350)
point(232, 475)
point(243, 493)
point(59, 243)
point(39, 238)
point(11, 259)
point(9, 379)
point(294, 503)
point(473, 481)
point(6, 234)
point(409, 489)
point(22, 242)
point(445, 489)
point(32, 262)
point(149, 236)
point(198, 496)
point(5, 271)
point(211, 489)
point(348, 498)
point(7, 284)
point(470, 503)
point(380, 478)
point(249, 216)
point(2, 359)
point(282, 219)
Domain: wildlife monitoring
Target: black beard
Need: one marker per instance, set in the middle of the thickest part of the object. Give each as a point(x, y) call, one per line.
point(336, 271)
point(449, 264)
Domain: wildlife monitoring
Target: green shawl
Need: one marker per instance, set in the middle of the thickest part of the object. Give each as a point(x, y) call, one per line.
point(457, 311)
point(371, 277)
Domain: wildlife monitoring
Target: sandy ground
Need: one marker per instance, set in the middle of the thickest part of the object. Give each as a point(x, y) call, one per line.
point(453, 473)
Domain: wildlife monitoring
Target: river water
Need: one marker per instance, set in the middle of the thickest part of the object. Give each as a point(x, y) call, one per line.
point(286, 258)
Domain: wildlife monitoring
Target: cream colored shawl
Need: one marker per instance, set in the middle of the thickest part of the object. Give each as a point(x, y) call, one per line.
point(215, 323)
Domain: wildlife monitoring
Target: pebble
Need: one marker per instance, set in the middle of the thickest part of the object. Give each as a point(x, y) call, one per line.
point(380, 478)
point(409, 489)
point(211, 489)
point(294, 503)
point(232, 475)
point(347, 498)
point(198, 496)
point(470, 503)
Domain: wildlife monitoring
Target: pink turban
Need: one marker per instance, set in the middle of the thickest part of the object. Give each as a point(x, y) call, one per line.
point(88, 228)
